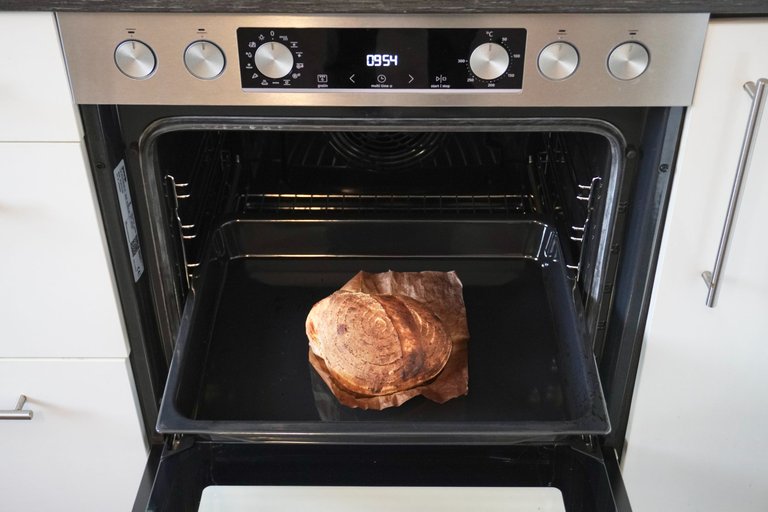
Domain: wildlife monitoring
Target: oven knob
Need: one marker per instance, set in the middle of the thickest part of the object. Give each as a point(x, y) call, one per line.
point(274, 60)
point(558, 61)
point(204, 60)
point(628, 61)
point(489, 61)
point(135, 59)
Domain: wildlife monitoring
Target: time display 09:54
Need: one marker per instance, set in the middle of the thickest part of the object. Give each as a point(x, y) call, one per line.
point(379, 60)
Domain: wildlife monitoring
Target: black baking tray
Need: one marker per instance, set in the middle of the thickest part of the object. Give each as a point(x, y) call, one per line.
point(240, 368)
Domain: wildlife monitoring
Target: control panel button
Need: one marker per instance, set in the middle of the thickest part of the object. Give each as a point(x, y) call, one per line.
point(273, 59)
point(204, 60)
point(628, 61)
point(558, 61)
point(489, 61)
point(135, 59)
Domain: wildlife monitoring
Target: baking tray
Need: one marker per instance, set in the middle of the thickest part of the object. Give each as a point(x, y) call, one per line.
point(240, 367)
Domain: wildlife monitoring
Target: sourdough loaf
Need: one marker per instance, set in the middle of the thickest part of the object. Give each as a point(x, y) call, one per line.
point(385, 338)
point(377, 344)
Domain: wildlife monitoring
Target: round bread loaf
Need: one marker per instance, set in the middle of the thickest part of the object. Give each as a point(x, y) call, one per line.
point(377, 344)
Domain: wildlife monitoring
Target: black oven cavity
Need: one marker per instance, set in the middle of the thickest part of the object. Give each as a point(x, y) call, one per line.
point(261, 220)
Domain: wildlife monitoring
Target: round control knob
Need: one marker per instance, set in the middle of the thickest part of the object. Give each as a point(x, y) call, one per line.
point(135, 59)
point(489, 61)
point(628, 61)
point(558, 61)
point(274, 60)
point(204, 60)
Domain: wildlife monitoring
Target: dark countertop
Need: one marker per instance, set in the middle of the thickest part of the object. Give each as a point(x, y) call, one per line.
point(716, 7)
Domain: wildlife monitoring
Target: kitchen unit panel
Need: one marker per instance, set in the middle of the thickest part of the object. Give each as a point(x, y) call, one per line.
point(697, 439)
point(83, 449)
point(57, 297)
point(35, 100)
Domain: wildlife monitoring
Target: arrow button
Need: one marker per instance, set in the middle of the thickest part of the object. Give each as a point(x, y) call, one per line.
point(352, 78)
point(410, 77)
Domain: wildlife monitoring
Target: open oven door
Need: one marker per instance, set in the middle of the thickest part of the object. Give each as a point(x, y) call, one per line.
point(198, 475)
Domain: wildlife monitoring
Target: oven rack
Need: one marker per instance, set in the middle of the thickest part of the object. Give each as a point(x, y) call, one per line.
point(504, 204)
point(569, 189)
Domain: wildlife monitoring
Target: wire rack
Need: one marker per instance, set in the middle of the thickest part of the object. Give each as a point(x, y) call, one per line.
point(391, 203)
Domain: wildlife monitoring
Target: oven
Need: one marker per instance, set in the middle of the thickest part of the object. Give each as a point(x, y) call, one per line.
point(247, 166)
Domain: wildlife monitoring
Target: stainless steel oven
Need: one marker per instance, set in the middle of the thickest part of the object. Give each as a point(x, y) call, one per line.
point(247, 166)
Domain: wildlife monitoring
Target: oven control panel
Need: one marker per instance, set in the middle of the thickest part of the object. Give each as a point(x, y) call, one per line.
point(381, 58)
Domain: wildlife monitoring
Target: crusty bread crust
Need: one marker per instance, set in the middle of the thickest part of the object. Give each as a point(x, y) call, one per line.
point(377, 344)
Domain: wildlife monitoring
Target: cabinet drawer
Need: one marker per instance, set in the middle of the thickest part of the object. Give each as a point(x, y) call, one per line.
point(83, 449)
point(35, 98)
point(57, 297)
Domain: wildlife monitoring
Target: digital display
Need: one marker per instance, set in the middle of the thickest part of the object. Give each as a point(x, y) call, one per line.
point(374, 58)
point(377, 60)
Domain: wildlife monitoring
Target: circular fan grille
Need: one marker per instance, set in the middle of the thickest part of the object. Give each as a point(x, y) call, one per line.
point(386, 150)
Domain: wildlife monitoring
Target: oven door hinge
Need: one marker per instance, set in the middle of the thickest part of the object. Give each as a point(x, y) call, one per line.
point(176, 443)
point(588, 445)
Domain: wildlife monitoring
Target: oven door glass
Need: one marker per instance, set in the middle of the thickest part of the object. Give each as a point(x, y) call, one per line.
point(582, 479)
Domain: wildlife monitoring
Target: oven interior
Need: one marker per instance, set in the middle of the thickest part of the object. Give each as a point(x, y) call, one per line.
point(265, 222)
point(558, 178)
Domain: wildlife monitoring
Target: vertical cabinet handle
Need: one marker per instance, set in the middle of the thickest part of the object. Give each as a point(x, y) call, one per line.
point(17, 413)
point(712, 279)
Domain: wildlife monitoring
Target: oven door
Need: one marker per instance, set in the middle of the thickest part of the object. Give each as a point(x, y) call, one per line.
point(197, 475)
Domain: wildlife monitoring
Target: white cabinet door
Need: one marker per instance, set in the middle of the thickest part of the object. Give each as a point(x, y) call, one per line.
point(83, 449)
point(57, 297)
point(35, 99)
point(698, 434)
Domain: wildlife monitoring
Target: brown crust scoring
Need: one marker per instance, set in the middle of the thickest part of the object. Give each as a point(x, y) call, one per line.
point(377, 344)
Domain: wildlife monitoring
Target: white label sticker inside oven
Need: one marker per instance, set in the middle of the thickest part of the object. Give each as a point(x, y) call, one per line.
point(129, 220)
point(223, 498)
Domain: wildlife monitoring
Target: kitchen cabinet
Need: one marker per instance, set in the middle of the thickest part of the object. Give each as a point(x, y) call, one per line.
point(35, 99)
point(83, 448)
point(62, 342)
point(58, 299)
point(697, 434)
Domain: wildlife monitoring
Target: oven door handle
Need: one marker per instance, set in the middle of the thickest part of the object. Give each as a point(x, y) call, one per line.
point(18, 413)
point(712, 279)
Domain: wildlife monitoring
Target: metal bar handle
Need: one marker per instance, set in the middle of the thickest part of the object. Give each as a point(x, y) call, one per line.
point(17, 413)
point(712, 279)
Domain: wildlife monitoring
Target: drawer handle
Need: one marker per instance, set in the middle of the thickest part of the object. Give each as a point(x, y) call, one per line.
point(712, 279)
point(18, 413)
